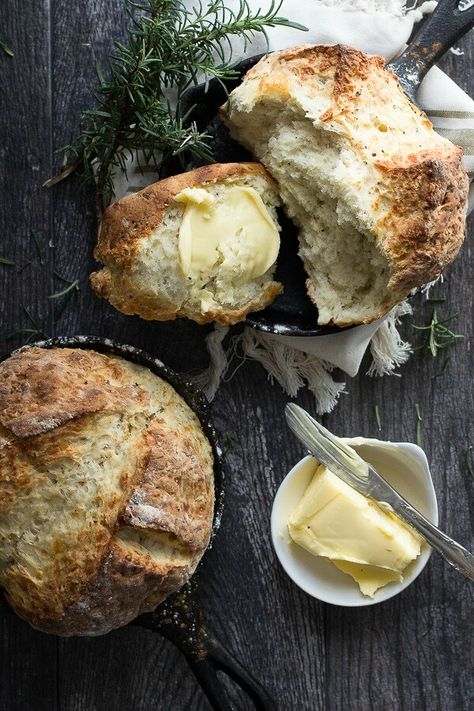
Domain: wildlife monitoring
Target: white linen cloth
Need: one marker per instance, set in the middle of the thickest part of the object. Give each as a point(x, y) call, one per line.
point(377, 27)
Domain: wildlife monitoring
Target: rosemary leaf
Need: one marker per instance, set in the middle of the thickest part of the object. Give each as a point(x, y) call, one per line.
point(72, 286)
point(21, 268)
point(63, 305)
point(6, 49)
point(443, 369)
point(419, 420)
point(229, 443)
point(31, 318)
point(378, 418)
point(426, 631)
point(7, 262)
point(36, 239)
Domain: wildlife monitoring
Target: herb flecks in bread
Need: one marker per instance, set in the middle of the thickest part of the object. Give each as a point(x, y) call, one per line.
point(378, 195)
point(139, 244)
point(106, 489)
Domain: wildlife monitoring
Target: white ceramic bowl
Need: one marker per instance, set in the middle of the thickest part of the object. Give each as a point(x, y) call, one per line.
point(405, 467)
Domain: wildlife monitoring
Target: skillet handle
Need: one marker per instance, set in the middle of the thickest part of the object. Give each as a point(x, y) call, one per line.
point(180, 620)
point(448, 23)
point(219, 659)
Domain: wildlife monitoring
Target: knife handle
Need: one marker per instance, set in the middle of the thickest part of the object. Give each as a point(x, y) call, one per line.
point(457, 556)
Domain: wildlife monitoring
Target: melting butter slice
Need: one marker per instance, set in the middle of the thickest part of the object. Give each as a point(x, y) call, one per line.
point(370, 544)
point(235, 231)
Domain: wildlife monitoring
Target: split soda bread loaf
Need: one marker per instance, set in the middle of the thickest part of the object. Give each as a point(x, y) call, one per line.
point(106, 489)
point(142, 245)
point(378, 196)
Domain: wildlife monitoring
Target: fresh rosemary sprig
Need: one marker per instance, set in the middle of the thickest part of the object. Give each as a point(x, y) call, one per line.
point(438, 335)
point(168, 48)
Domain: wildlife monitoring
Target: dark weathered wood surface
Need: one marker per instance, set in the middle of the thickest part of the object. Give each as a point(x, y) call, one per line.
point(411, 653)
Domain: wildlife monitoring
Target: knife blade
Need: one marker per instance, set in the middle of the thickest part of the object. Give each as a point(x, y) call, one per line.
point(343, 461)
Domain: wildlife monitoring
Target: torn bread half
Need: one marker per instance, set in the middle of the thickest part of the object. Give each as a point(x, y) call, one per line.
point(379, 197)
point(202, 244)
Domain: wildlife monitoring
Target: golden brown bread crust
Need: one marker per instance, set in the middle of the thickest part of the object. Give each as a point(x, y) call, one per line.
point(426, 224)
point(129, 587)
point(418, 212)
point(86, 546)
point(129, 221)
point(121, 291)
point(126, 222)
point(32, 404)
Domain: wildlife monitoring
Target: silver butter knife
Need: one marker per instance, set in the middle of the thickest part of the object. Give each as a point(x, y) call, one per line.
point(343, 461)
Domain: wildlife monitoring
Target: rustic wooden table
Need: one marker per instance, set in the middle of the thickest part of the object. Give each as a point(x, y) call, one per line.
point(413, 652)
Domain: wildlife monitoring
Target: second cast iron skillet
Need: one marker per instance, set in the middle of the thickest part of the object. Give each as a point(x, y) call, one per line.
point(293, 313)
point(179, 618)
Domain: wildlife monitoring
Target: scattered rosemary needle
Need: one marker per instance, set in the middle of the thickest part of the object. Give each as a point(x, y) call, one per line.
point(169, 47)
point(468, 459)
point(6, 49)
point(71, 287)
point(438, 335)
point(23, 267)
point(229, 443)
point(426, 631)
point(31, 318)
point(36, 239)
point(419, 420)
point(7, 262)
point(378, 418)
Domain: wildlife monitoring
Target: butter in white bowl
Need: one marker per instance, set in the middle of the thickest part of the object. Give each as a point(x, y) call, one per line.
point(405, 467)
point(334, 521)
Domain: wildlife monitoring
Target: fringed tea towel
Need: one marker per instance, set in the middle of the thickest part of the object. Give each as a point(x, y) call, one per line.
point(377, 27)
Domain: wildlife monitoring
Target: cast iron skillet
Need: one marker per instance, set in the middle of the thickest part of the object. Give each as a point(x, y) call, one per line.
point(179, 617)
point(292, 313)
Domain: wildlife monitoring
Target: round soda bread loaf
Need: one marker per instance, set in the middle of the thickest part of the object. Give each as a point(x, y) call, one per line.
point(138, 244)
point(379, 197)
point(106, 489)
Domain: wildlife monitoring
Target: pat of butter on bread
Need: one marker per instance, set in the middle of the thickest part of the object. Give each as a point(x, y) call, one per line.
point(235, 229)
point(363, 540)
